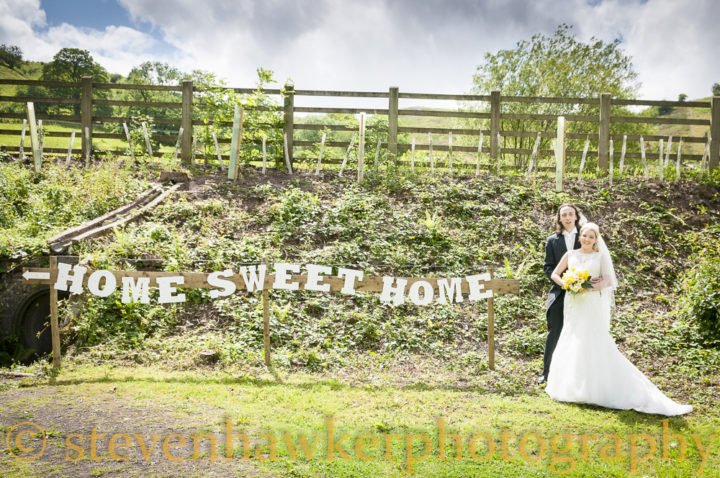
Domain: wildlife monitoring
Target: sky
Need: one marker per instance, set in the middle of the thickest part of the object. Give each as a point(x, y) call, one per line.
point(424, 46)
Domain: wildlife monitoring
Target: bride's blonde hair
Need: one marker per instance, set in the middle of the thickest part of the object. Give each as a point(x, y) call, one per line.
point(594, 228)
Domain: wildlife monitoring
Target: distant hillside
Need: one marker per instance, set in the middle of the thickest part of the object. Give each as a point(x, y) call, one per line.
point(677, 130)
point(30, 70)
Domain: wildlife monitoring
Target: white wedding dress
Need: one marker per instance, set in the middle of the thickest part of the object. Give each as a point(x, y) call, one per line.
point(586, 365)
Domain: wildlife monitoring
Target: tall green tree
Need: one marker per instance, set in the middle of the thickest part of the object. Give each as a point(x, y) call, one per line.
point(558, 65)
point(11, 55)
point(70, 64)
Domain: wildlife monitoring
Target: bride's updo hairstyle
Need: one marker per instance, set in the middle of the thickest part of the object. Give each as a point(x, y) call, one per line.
point(594, 228)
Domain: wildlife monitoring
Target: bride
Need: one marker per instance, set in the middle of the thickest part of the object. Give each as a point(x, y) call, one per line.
point(586, 365)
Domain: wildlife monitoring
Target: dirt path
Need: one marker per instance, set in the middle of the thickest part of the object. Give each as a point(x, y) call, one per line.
point(60, 411)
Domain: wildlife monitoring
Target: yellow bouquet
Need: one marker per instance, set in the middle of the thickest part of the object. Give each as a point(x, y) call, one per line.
point(575, 281)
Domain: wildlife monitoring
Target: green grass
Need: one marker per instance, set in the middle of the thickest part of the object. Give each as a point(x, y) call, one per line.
point(303, 404)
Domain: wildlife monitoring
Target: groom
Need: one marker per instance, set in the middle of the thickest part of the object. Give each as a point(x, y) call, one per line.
point(565, 238)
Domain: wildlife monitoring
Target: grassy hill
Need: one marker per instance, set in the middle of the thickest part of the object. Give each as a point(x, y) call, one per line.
point(372, 367)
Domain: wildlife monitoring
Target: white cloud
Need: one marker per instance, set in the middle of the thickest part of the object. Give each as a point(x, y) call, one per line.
point(418, 45)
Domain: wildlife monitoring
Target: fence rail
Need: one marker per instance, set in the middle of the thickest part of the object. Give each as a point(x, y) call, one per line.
point(191, 97)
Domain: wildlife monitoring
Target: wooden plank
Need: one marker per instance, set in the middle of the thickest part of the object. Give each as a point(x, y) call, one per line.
point(143, 198)
point(361, 148)
point(86, 111)
point(144, 104)
point(456, 131)
point(319, 160)
point(353, 94)
point(678, 161)
point(288, 163)
point(198, 280)
point(69, 152)
point(289, 121)
point(392, 113)
point(714, 133)
point(660, 159)
point(54, 326)
point(177, 143)
point(667, 151)
point(186, 121)
point(37, 159)
point(545, 117)
point(604, 131)
point(237, 115)
point(239, 144)
point(644, 159)
point(219, 153)
point(266, 325)
point(560, 155)
point(443, 114)
point(612, 165)
point(533, 156)
point(148, 146)
point(22, 140)
point(40, 99)
point(41, 137)
point(127, 86)
point(622, 153)
point(552, 99)
point(686, 104)
point(634, 119)
point(444, 96)
point(70, 84)
point(347, 153)
point(491, 329)
point(124, 119)
point(40, 116)
point(494, 124)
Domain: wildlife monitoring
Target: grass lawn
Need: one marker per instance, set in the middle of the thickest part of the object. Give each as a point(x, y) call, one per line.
point(392, 425)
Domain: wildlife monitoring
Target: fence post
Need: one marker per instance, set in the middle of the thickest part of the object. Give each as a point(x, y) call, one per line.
point(604, 132)
point(186, 122)
point(393, 124)
point(494, 124)
point(560, 154)
point(86, 114)
point(289, 123)
point(714, 133)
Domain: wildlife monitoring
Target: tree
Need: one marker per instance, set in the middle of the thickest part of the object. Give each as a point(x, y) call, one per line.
point(10, 55)
point(716, 89)
point(682, 97)
point(557, 65)
point(71, 64)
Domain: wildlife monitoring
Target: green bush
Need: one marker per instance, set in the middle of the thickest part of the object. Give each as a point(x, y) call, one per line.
point(700, 287)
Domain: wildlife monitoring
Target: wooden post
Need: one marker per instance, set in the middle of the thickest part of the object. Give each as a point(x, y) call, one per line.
point(667, 150)
point(393, 123)
point(622, 154)
point(430, 152)
point(560, 154)
point(584, 155)
point(714, 132)
point(644, 159)
point(266, 325)
point(237, 116)
point(54, 327)
point(491, 329)
point(377, 155)
point(347, 153)
point(604, 131)
point(41, 137)
point(533, 156)
point(412, 155)
point(72, 141)
point(148, 145)
point(494, 125)
point(22, 140)
point(217, 148)
point(678, 162)
point(479, 154)
point(186, 121)
point(660, 159)
point(177, 144)
point(289, 97)
point(361, 148)
point(286, 147)
point(264, 150)
point(88, 145)
point(322, 147)
point(612, 166)
point(86, 114)
point(239, 144)
point(34, 136)
point(129, 140)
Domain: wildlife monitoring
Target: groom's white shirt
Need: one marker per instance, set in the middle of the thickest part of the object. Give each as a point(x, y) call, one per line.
point(570, 238)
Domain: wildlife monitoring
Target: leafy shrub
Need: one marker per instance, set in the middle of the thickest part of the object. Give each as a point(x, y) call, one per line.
point(700, 287)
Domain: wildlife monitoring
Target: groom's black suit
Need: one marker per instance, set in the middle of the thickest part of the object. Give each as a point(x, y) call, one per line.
point(555, 248)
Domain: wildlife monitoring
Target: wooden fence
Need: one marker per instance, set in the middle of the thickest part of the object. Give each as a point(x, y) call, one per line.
point(491, 114)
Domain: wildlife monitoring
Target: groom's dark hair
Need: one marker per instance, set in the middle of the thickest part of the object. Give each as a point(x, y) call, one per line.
point(559, 228)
